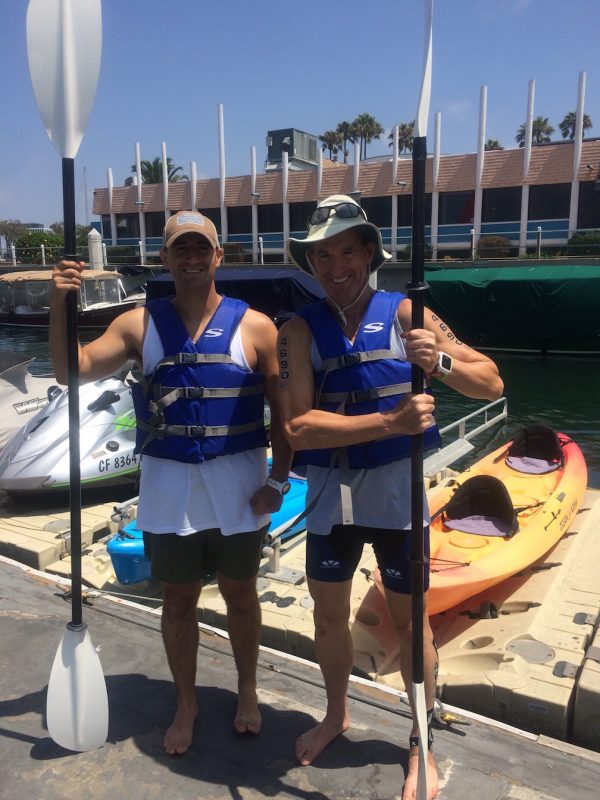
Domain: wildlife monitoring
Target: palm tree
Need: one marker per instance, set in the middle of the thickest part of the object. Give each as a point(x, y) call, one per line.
point(405, 137)
point(540, 134)
point(365, 128)
point(493, 144)
point(331, 141)
point(346, 134)
point(567, 125)
point(152, 171)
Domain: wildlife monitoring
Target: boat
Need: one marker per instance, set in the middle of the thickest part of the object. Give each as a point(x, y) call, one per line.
point(36, 457)
point(554, 307)
point(126, 547)
point(502, 514)
point(25, 298)
point(22, 394)
point(276, 292)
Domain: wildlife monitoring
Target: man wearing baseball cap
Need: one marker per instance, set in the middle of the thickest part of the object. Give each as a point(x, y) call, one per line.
point(348, 412)
point(205, 493)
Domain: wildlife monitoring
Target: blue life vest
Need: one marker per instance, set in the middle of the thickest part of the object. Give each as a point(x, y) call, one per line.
point(361, 378)
point(198, 403)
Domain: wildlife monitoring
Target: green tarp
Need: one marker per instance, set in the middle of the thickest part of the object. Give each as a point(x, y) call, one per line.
point(546, 308)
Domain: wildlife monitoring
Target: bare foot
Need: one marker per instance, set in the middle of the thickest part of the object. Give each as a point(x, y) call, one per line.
point(311, 744)
point(179, 735)
point(409, 790)
point(248, 718)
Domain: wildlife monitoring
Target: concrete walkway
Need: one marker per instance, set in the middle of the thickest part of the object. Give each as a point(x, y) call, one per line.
point(479, 761)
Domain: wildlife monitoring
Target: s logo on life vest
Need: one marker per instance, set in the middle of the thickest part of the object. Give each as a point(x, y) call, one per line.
point(210, 333)
point(373, 327)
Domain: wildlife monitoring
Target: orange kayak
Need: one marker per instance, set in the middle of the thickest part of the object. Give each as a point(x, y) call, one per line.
point(501, 515)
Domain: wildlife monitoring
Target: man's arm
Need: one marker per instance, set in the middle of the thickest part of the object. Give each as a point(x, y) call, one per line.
point(307, 427)
point(473, 374)
point(261, 334)
point(119, 343)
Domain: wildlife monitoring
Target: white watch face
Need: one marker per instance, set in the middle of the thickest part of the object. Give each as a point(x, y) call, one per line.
point(282, 487)
point(445, 363)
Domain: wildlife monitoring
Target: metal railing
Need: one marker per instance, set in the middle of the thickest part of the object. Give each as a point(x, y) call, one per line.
point(489, 421)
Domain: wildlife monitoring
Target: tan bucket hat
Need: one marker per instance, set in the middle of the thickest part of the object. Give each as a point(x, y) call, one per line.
point(339, 213)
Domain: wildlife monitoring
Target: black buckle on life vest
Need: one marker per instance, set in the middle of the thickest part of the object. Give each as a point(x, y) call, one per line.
point(359, 396)
point(186, 358)
point(194, 431)
point(193, 392)
point(352, 358)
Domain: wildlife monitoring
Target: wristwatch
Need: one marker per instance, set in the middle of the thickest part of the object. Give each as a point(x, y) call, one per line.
point(282, 487)
point(443, 368)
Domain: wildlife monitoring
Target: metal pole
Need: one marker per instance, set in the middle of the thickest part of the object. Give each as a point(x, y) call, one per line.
point(43, 249)
point(261, 255)
point(539, 242)
point(472, 245)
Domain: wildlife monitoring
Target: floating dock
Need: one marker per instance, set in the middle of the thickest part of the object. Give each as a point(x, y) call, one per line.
point(479, 759)
point(526, 652)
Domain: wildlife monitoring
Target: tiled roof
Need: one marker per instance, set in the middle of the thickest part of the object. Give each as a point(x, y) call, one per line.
point(551, 163)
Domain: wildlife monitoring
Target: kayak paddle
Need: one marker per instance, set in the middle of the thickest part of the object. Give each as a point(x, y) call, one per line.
point(416, 289)
point(64, 41)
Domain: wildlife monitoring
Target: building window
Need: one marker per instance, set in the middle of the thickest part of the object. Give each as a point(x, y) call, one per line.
point(405, 210)
point(214, 215)
point(270, 218)
point(378, 210)
point(501, 205)
point(588, 215)
point(456, 208)
point(155, 222)
point(299, 214)
point(239, 219)
point(106, 227)
point(128, 226)
point(551, 201)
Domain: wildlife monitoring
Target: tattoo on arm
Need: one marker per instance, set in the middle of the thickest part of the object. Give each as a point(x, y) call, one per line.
point(284, 367)
point(446, 330)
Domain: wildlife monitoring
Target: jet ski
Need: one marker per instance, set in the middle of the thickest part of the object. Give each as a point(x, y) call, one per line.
point(22, 394)
point(36, 458)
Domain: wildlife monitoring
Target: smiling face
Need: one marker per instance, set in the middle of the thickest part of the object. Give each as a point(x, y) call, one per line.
point(341, 264)
point(191, 260)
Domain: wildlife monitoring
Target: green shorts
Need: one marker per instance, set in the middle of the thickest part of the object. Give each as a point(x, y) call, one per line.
point(192, 558)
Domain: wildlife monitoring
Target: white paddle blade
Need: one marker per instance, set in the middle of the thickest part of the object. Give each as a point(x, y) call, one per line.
point(64, 43)
point(422, 117)
point(418, 693)
point(77, 703)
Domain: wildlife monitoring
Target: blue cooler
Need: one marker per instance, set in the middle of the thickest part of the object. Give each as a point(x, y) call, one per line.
point(126, 548)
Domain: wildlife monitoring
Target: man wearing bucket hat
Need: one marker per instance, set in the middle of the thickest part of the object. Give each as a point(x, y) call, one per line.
point(205, 494)
point(348, 412)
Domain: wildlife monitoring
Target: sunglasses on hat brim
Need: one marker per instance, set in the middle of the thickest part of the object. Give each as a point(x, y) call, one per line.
point(342, 210)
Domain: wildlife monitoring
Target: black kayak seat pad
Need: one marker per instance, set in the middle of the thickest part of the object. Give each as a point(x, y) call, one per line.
point(535, 450)
point(481, 505)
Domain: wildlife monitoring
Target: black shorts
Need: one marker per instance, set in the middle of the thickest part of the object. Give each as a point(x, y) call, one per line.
point(336, 556)
point(192, 558)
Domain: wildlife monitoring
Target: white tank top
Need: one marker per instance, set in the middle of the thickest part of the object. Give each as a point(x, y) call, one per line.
point(185, 498)
point(380, 496)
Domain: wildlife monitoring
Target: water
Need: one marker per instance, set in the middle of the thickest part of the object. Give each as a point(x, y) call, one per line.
point(562, 392)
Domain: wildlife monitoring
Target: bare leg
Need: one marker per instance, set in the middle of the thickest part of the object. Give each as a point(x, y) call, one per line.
point(333, 643)
point(180, 636)
point(399, 607)
point(243, 617)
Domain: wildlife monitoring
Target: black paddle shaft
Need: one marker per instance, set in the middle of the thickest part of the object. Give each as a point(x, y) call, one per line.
point(68, 176)
point(416, 289)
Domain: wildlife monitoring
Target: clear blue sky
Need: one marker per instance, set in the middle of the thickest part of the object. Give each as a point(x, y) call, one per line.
point(274, 64)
